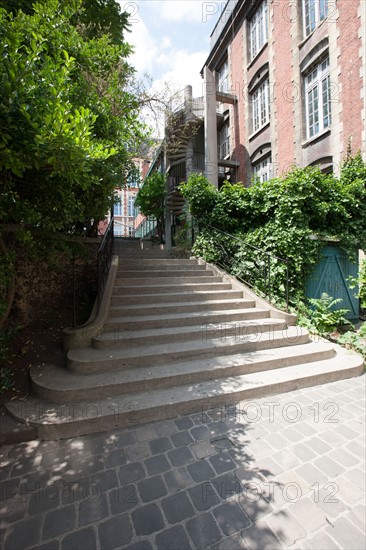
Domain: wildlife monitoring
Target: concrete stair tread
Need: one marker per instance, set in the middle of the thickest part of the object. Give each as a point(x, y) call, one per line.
point(146, 307)
point(153, 281)
point(153, 273)
point(158, 289)
point(91, 356)
point(58, 379)
point(198, 315)
point(63, 420)
point(190, 330)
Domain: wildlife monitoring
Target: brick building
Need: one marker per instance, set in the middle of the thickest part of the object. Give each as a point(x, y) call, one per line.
point(289, 76)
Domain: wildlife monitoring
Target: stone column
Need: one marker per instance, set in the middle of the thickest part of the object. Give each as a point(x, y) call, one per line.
point(211, 166)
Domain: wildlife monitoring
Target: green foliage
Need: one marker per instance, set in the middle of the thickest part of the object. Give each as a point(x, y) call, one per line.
point(6, 379)
point(151, 199)
point(278, 217)
point(355, 340)
point(322, 318)
point(68, 124)
point(360, 283)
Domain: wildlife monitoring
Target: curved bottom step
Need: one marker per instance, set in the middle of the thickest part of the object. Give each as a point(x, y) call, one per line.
point(79, 418)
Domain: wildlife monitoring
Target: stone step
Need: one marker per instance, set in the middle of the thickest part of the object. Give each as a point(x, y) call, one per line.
point(169, 288)
point(179, 307)
point(60, 385)
point(55, 421)
point(132, 336)
point(150, 273)
point(183, 319)
point(91, 360)
point(168, 297)
point(177, 280)
point(136, 266)
point(145, 263)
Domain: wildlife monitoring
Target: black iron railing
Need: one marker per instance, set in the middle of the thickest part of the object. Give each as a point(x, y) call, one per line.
point(263, 271)
point(104, 260)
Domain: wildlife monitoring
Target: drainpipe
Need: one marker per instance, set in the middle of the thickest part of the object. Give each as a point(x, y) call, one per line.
point(211, 166)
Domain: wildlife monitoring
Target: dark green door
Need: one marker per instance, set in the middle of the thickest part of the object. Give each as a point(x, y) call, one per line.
point(330, 275)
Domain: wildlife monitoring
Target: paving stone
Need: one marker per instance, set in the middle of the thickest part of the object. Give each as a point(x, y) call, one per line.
point(269, 467)
point(286, 527)
point(344, 457)
point(183, 423)
point(52, 545)
point(222, 462)
point(260, 448)
point(203, 449)
point(181, 456)
point(236, 542)
point(177, 479)
point(25, 465)
point(200, 471)
point(147, 519)
point(174, 538)
point(331, 468)
point(73, 491)
point(203, 496)
point(241, 455)
point(59, 521)
point(221, 442)
point(308, 514)
point(288, 487)
point(13, 509)
point(286, 460)
point(203, 530)
point(200, 432)
point(321, 541)
point(141, 545)
point(152, 488)
point(124, 439)
point(92, 509)
point(227, 485)
point(181, 438)
point(33, 482)
point(123, 498)
point(104, 481)
point(347, 490)
point(23, 534)
point(115, 532)
point(200, 418)
point(165, 427)
point(302, 452)
point(358, 517)
point(44, 500)
point(358, 477)
point(157, 464)
point(177, 507)
point(218, 428)
point(346, 432)
point(146, 433)
point(131, 472)
point(85, 538)
point(160, 445)
point(329, 500)
point(137, 452)
point(346, 534)
point(358, 449)
point(318, 445)
point(231, 517)
point(311, 474)
point(115, 458)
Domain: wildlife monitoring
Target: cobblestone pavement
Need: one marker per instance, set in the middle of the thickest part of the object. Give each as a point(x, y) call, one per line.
point(285, 471)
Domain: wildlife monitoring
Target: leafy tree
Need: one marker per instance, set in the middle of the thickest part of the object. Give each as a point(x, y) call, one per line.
point(151, 200)
point(69, 127)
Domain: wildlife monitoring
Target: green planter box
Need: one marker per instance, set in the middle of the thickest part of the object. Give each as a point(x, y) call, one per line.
point(330, 275)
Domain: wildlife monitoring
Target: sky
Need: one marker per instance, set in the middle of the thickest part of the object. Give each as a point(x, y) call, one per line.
point(171, 39)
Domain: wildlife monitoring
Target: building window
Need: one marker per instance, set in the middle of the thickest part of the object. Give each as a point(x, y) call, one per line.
point(224, 141)
point(118, 208)
point(259, 29)
point(314, 12)
point(318, 101)
point(260, 106)
point(131, 206)
point(118, 230)
point(263, 169)
point(223, 78)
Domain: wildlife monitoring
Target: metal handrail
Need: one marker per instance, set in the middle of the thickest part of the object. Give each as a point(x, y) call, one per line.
point(104, 259)
point(268, 264)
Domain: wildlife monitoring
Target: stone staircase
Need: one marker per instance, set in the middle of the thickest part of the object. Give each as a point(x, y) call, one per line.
point(180, 337)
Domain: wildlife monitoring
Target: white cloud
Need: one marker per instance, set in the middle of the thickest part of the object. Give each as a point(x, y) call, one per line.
point(180, 10)
point(182, 68)
point(146, 47)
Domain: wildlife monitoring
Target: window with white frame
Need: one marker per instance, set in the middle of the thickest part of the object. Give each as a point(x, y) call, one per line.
point(223, 78)
point(260, 106)
point(118, 208)
point(224, 141)
point(263, 169)
point(131, 206)
point(118, 229)
point(314, 12)
point(318, 100)
point(259, 29)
